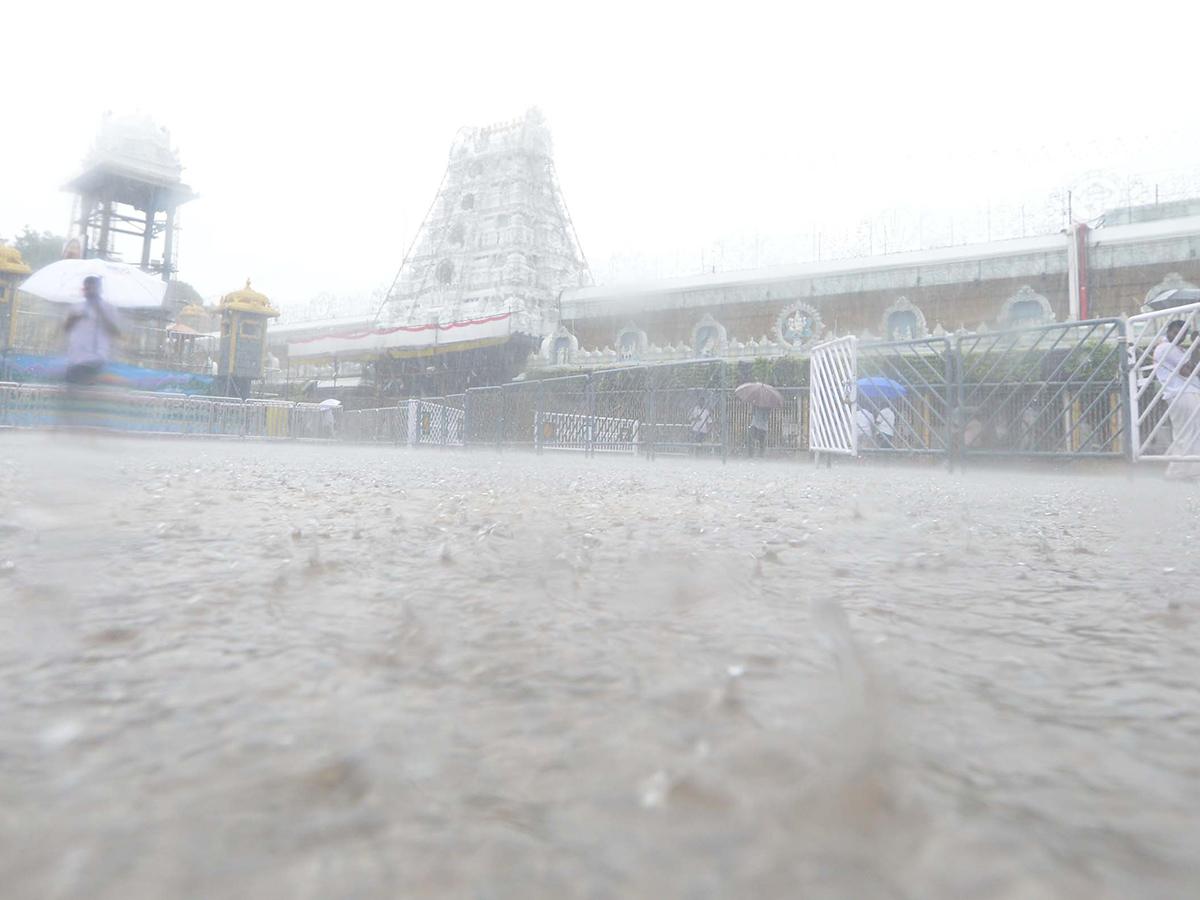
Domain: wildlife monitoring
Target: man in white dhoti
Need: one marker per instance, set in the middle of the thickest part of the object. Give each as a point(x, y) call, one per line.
point(1175, 367)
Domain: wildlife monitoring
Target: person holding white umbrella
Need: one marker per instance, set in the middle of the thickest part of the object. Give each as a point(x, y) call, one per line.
point(90, 327)
point(92, 324)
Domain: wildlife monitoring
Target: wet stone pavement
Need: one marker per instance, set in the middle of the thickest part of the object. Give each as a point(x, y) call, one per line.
point(287, 671)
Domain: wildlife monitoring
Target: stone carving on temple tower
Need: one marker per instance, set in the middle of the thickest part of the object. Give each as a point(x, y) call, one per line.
point(498, 238)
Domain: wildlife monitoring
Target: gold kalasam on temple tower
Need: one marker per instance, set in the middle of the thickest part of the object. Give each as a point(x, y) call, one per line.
point(244, 316)
point(12, 272)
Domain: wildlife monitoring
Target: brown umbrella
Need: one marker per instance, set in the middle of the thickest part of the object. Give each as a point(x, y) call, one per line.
point(758, 394)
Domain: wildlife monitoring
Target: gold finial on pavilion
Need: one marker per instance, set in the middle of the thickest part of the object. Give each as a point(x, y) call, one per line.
point(248, 300)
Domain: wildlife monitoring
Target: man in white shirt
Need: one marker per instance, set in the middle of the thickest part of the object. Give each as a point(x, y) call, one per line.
point(864, 424)
point(701, 419)
point(90, 327)
point(885, 427)
point(1176, 369)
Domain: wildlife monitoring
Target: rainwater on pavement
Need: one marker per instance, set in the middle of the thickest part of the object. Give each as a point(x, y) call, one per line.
point(296, 671)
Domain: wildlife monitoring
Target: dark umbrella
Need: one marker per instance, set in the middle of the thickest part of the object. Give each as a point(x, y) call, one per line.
point(881, 388)
point(758, 394)
point(1177, 297)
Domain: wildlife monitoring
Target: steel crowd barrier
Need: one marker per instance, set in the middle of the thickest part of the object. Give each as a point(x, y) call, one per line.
point(1164, 395)
point(688, 408)
point(1059, 391)
point(833, 421)
point(787, 427)
point(906, 395)
point(1049, 391)
point(563, 420)
point(147, 412)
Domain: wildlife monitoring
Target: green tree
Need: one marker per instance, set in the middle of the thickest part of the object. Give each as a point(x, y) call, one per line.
point(182, 292)
point(39, 249)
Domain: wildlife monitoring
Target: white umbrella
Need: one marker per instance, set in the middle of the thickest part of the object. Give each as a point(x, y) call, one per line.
point(331, 403)
point(120, 284)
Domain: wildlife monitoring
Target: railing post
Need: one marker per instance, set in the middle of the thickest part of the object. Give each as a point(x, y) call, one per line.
point(500, 429)
point(466, 419)
point(724, 411)
point(649, 404)
point(959, 404)
point(949, 368)
point(1128, 384)
point(589, 412)
point(537, 417)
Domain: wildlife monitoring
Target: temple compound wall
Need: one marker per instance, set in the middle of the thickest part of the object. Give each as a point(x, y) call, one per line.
point(1089, 273)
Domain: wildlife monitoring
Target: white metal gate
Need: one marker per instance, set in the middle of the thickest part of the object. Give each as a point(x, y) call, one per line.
point(1164, 429)
point(833, 397)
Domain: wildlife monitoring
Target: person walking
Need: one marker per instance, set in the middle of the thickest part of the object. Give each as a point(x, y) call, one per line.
point(885, 427)
point(758, 429)
point(701, 419)
point(864, 424)
point(762, 398)
point(90, 327)
point(1175, 368)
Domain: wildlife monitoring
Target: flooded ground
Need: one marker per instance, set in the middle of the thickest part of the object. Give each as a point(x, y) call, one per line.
point(242, 670)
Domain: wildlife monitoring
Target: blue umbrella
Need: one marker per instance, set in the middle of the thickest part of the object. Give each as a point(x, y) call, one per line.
point(881, 388)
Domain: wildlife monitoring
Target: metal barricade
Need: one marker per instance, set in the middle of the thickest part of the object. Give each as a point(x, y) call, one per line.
point(227, 417)
point(564, 420)
point(8, 395)
point(484, 416)
point(688, 408)
point(833, 397)
point(308, 422)
point(617, 400)
point(30, 406)
point(267, 418)
point(387, 424)
point(1053, 391)
point(906, 394)
point(143, 411)
point(1164, 386)
point(787, 427)
point(408, 422)
point(455, 431)
point(178, 414)
point(433, 423)
point(452, 424)
point(519, 419)
point(372, 424)
point(351, 427)
point(195, 413)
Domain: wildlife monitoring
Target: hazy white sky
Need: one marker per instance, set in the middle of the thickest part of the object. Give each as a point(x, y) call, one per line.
point(316, 134)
